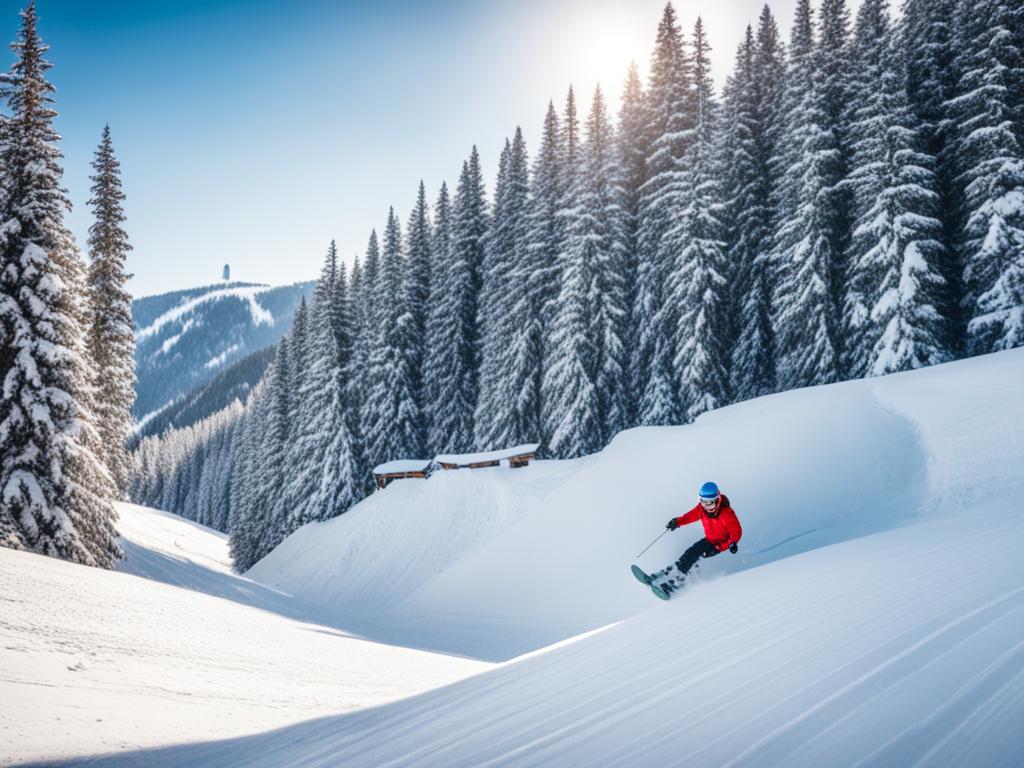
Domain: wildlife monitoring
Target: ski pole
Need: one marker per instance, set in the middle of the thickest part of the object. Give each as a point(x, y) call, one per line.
point(652, 543)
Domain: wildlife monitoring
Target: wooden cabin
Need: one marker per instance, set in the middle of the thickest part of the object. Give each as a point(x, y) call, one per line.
point(400, 470)
point(517, 456)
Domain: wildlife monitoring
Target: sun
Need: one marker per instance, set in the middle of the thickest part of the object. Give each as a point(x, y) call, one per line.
point(607, 39)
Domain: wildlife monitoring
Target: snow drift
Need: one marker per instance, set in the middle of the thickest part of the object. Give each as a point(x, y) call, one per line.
point(496, 562)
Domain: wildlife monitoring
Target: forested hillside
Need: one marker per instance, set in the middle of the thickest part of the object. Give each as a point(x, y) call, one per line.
point(186, 338)
point(850, 204)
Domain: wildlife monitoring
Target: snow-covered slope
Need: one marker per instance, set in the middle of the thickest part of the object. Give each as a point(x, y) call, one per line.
point(874, 615)
point(518, 558)
point(184, 339)
point(95, 662)
point(905, 648)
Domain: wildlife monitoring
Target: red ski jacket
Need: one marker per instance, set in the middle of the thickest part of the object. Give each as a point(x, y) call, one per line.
point(721, 530)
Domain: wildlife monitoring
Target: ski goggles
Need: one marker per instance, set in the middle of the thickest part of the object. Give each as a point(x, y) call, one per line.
point(709, 503)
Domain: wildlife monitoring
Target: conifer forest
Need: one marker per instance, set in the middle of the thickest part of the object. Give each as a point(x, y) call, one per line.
point(848, 203)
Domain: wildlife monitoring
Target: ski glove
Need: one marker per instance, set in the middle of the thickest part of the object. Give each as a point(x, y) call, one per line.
point(672, 524)
point(733, 547)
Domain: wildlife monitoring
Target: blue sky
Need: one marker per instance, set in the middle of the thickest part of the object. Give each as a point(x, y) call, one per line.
point(254, 132)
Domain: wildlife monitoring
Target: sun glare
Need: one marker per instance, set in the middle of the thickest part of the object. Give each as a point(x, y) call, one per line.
point(609, 40)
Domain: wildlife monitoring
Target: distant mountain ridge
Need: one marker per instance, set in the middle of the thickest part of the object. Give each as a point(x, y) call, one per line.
point(186, 339)
point(234, 382)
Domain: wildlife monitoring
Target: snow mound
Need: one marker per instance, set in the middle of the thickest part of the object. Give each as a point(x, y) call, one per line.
point(494, 563)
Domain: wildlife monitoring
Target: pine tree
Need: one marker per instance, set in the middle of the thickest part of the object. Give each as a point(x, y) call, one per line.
point(343, 480)
point(697, 285)
point(323, 476)
point(110, 336)
point(54, 490)
point(570, 144)
point(364, 302)
point(419, 263)
point(834, 90)
point(584, 385)
point(329, 276)
point(927, 50)
point(438, 320)
point(892, 319)
point(504, 280)
point(804, 250)
point(991, 178)
point(670, 127)
point(458, 359)
point(632, 142)
point(358, 356)
point(392, 426)
point(600, 231)
point(753, 106)
point(490, 407)
point(538, 274)
point(298, 351)
point(249, 520)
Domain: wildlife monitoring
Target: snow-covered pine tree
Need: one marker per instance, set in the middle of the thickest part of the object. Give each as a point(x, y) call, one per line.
point(927, 50)
point(632, 143)
point(298, 352)
point(697, 286)
point(274, 433)
point(329, 276)
point(365, 339)
point(490, 407)
point(323, 476)
point(670, 128)
point(567, 176)
point(458, 358)
point(572, 421)
point(315, 327)
point(892, 320)
point(991, 164)
point(496, 420)
point(358, 356)
point(492, 421)
point(341, 481)
point(569, 164)
point(805, 316)
point(834, 88)
point(753, 100)
point(584, 382)
point(437, 319)
point(248, 506)
point(110, 336)
point(392, 425)
point(54, 490)
point(538, 276)
point(600, 229)
point(418, 267)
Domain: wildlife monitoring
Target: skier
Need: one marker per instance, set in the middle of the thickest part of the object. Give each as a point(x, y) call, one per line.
point(721, 532)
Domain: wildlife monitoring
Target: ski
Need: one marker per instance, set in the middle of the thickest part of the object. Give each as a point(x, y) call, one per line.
point(648, 579)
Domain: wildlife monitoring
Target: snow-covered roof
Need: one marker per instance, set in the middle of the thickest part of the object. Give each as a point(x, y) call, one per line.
point(476, 458)
point(401, 465)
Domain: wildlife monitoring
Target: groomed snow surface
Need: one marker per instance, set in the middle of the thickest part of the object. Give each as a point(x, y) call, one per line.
point(874, 614)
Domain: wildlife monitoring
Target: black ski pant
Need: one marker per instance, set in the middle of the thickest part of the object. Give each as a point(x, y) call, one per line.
point(700, 549)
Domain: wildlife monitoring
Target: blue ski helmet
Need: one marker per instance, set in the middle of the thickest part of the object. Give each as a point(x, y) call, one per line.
point(709, 491)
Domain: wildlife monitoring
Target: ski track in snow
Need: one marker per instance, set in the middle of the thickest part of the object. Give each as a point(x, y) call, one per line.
point(874, 615)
